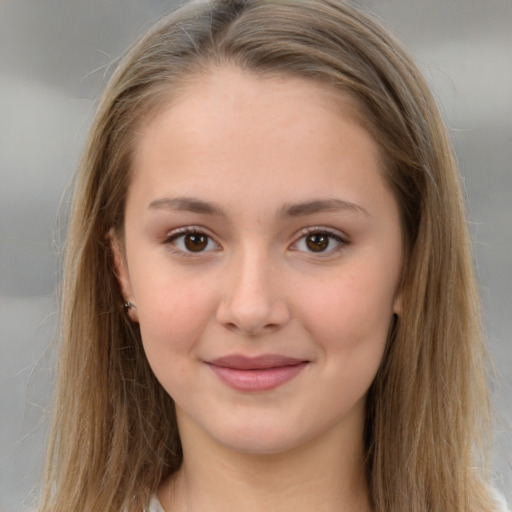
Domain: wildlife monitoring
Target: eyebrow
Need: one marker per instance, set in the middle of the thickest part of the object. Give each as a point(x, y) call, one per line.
point(195, 205)
point(188, 204)
point(319, 206)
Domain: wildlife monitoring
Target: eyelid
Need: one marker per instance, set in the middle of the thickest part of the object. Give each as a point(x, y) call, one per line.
point(342, 239)
point(171, 236)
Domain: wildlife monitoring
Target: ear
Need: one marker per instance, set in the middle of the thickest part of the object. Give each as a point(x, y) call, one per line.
point(122, 275)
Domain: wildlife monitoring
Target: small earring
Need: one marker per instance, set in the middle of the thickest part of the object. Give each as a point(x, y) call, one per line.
point(128, 305)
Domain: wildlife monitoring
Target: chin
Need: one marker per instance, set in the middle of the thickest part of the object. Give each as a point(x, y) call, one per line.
point(260, 446)
point(262, 439)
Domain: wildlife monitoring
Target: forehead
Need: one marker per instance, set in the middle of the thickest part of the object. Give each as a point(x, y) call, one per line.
point(228, 127)
point(214, 89)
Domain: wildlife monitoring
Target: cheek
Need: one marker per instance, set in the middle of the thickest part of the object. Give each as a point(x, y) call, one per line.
point(172, 320)
point(352, 312)
point(172, 315)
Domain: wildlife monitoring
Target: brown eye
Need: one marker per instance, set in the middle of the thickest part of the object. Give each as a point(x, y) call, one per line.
point(190, 241)
point(321, 242)
point(195, 242)
point(317, 242)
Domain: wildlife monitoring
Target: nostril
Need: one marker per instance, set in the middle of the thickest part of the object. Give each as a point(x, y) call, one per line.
point(231, 326)
point(252, 331)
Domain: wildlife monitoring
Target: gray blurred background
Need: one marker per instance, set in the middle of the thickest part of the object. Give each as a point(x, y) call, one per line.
point(54, 58)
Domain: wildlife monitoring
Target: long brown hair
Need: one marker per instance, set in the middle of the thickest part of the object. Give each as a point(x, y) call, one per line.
point(114, 436)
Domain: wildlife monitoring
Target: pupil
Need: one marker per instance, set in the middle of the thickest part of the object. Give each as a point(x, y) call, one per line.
point(317, 242)
point(195, 242)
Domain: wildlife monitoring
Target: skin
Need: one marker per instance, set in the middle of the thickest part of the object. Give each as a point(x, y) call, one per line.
point(250, 149)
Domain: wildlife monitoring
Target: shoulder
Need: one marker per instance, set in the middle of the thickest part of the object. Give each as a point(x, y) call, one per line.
point(154, 504)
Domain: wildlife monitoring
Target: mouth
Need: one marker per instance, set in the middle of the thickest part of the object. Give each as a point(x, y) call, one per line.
point(261, 373)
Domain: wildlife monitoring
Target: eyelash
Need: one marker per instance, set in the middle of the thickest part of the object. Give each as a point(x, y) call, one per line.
point(170, 240)
point(341, 241)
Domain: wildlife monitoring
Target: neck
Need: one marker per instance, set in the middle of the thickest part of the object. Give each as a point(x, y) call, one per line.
point(322, 475)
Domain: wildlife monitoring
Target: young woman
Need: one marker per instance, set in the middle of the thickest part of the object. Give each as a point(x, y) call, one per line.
point(268, 298)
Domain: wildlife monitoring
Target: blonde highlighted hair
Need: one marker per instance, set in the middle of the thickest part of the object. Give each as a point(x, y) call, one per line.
point(114, 436)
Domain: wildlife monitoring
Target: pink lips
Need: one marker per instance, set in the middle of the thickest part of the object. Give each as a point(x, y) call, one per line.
point(260, 373)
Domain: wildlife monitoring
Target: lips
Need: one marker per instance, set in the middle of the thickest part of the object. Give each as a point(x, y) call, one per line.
point(261, 373)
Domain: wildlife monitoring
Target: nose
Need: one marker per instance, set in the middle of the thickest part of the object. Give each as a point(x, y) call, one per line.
point(253, 300)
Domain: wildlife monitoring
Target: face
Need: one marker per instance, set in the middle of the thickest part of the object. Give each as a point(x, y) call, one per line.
point(263, 252)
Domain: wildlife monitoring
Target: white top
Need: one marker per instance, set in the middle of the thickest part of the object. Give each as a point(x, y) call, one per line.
point(154, 504)
point(498, 497)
